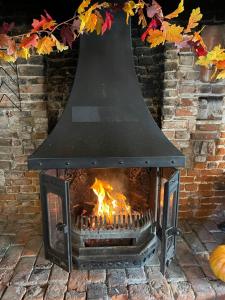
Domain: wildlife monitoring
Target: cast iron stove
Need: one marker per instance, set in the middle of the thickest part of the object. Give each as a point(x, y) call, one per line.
point(109, 183)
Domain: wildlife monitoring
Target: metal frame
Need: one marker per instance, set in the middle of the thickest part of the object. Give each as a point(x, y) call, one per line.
point(168, 232)
point(60, 188)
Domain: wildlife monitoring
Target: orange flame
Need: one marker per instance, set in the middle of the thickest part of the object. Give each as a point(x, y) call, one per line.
point(110, 203)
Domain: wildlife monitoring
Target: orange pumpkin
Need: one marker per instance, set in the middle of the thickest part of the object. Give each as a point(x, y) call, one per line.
point(217, 262)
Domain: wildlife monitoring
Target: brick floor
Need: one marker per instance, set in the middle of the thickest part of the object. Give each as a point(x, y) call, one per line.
point(25, 274)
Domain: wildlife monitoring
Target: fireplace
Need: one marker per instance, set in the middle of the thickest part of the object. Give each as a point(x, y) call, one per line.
point(109, 179)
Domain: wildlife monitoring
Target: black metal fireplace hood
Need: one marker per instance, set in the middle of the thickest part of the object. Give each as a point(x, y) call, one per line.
point(106, 122)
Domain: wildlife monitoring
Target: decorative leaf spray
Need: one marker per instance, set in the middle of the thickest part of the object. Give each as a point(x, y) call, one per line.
point(89, 17)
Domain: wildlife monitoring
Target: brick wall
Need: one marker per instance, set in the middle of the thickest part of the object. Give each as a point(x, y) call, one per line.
point(191, 113)
point(193, 119)
point(20, 133)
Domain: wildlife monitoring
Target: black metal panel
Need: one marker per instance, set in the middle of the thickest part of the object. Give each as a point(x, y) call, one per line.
point(106, 122)
point(168, 229)
point(58, 187)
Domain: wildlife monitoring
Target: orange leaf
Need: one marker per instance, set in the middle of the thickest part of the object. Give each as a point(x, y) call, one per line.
point(156, 37)
point(45, 45)
point(194, 19)
point(91, 24)
point(172, 33)
point(220, 64)
point(49, 25)
point(177, 11)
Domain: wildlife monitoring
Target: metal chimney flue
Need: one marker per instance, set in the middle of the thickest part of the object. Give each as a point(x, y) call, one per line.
point(106, 122)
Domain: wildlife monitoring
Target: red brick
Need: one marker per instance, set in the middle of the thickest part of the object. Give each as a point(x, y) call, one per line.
point(191, 187)
point(204, 136)
point(183, 112)
point(187, 179)
point(27, 189)
point(200, 165)
point(206, 193)
point(186, 102)
point(220, 151)
point(214, 157)
point(32, 174)
point(191, 172)
point(6, 197)
point(207, 127)
point(205, 187)
point(22, 181)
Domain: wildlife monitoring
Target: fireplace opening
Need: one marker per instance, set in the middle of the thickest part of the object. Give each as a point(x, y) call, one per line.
point(114, 216)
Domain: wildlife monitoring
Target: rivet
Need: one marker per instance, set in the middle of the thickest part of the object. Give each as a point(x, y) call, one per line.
point(121, 162)
point(67, 163)
point(94, 163)
point(172, 162)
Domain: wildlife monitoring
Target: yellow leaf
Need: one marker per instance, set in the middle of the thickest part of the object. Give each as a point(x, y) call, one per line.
point(177, 11)
point(100, 21)
point(216, 54)
point(128, 8)
point(84, 18)
point(203, 61)
point(141, 18)
point(172, 33)
point(83, 5)
point(221, 75)
point(23, 53)
point(9, 58)
point(91, 23)
point(45, 45)
point(156, 37)
point(59, 46)
point(194, 19)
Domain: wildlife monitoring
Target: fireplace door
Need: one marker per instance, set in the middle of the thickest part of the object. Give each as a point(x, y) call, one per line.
point(56, 220)
point(167, 215)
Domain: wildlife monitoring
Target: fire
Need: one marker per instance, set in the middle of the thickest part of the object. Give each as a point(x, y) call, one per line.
point(109, 202)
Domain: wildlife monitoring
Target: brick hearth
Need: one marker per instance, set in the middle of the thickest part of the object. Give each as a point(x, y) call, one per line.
point(26, 274)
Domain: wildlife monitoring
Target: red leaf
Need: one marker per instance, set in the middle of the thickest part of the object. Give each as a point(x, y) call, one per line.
point(108, 22)
point(67, 35)
point(200, 51)
point(154, 24)
point(38, 24)
point(6, 27)
point(8, 43)
point(30, 41)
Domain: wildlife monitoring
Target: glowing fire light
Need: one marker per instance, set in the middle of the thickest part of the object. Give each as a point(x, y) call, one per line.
point(110, 203)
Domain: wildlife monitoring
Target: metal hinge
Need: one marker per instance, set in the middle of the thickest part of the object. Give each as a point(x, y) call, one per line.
point(173, 231)
point(62, 227)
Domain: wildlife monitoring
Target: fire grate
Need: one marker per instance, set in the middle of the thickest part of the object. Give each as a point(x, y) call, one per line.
point(120, 222)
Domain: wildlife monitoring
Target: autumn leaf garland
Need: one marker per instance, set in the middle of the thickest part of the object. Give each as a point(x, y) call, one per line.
point(46, 35)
